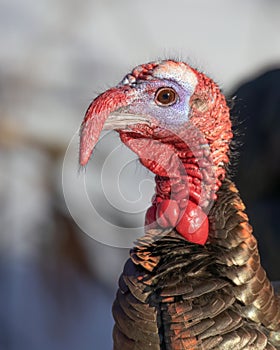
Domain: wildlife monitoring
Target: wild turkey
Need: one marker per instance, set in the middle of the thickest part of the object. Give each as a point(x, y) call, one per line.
point(194, 280)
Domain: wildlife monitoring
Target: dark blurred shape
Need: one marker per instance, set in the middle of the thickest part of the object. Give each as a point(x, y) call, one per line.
point(257, 108)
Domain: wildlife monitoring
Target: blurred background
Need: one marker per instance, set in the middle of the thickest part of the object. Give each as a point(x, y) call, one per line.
point(58, 276)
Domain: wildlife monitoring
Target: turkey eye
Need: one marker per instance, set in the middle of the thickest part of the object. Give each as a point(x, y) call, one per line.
point(166, 96)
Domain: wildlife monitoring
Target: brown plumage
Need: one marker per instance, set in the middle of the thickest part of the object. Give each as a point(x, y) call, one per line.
point(215, 296)
point(194, 280)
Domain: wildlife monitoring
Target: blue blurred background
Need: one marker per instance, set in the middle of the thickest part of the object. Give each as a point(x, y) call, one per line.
point(57, 284)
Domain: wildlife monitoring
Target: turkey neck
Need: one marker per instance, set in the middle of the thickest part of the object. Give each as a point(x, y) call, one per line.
point(196, 182)
point(188, 174)
point(189, 168)
point(184, 194)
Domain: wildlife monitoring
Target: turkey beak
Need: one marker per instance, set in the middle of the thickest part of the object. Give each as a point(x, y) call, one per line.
point(106, 112)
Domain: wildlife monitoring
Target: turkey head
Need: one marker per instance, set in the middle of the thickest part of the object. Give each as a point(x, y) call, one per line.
point(177, 121)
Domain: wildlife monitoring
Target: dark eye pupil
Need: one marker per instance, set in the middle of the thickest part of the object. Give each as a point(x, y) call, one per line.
point(165, 96)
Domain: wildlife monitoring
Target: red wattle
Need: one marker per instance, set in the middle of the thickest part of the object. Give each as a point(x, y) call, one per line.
point(167, 213)
point(150, 219)
point(194, 224)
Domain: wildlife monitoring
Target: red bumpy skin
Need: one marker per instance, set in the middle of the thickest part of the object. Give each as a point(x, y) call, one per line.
point(188, 159)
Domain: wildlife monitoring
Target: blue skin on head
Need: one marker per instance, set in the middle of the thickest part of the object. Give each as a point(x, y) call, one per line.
point(166, 116)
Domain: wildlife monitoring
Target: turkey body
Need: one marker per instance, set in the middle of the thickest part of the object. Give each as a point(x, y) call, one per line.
point(194, 280)
point(177, 295)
